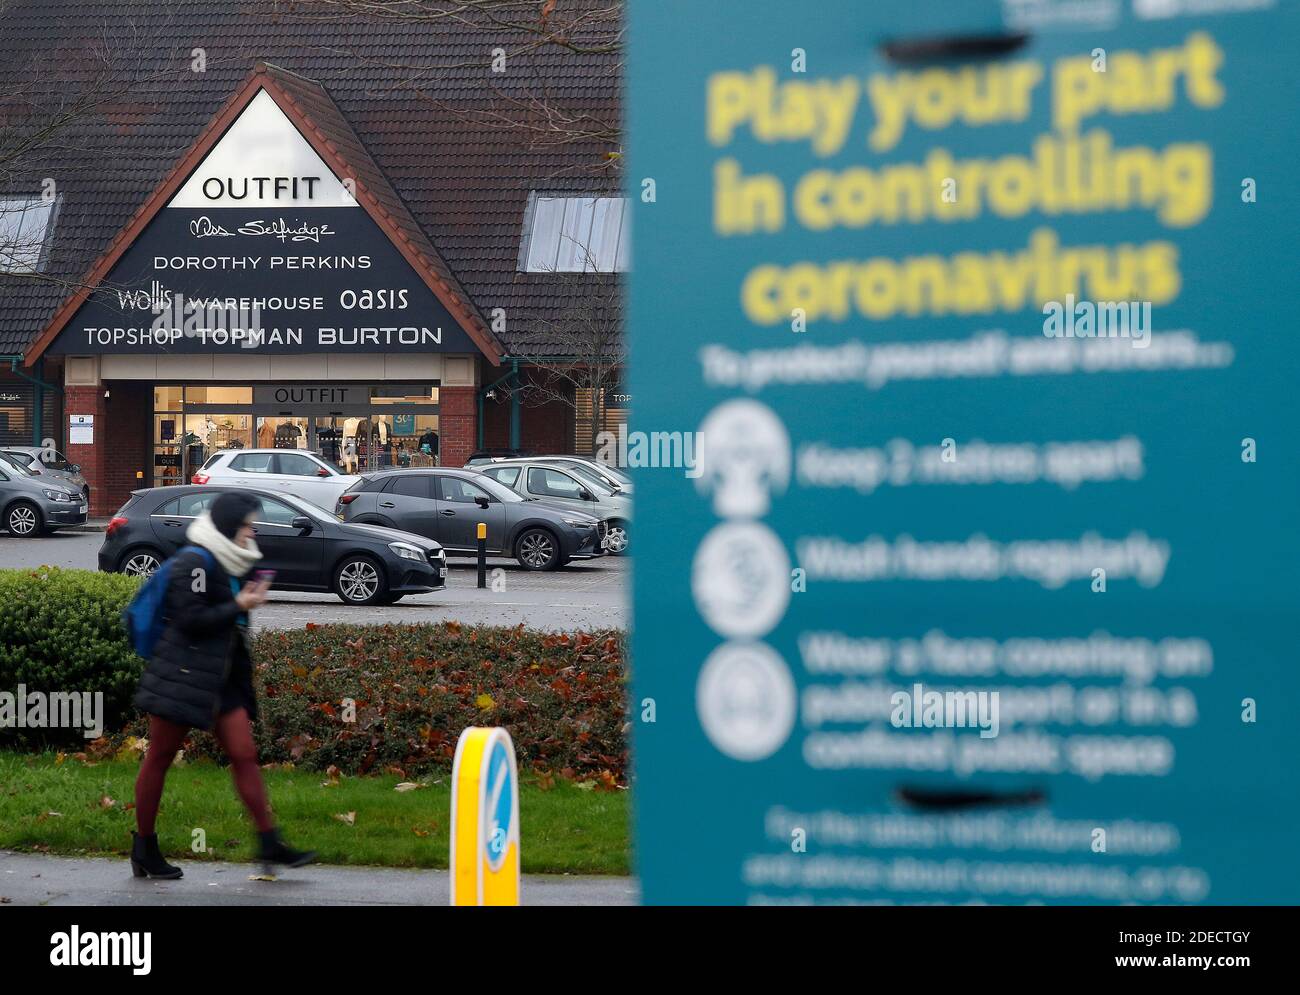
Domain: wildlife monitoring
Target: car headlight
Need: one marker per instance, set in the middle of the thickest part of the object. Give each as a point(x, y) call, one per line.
point(581, 523)
point(406, 551)
point(57, 495)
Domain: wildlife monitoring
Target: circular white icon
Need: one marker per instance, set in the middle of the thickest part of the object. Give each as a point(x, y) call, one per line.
point(741, 579)
point(745, 698)
point(744, 457)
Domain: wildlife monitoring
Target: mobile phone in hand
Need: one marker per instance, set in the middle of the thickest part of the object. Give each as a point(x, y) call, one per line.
point(264, 576)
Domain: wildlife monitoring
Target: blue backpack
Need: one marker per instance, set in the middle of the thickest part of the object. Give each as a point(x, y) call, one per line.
point(143, 617)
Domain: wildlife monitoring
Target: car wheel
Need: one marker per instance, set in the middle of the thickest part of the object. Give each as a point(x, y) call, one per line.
point(23, 519)
point(617, 538)
point(140, 562)
point(537, 550)
point(359, 580)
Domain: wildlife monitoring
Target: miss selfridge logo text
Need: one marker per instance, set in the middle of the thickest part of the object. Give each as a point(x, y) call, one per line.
point(77, 949)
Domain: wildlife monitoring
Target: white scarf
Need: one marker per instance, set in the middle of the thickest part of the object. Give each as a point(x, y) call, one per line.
point(234, 559)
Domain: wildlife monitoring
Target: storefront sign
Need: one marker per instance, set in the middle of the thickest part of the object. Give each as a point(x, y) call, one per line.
point(985, 592)
point(311, 398)
point(262, 250)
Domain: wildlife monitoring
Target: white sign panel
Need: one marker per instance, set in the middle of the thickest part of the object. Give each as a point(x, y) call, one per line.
point(81, 430)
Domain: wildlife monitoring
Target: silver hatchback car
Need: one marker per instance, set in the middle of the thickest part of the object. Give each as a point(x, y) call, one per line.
point(49, 463)
point(31, 504)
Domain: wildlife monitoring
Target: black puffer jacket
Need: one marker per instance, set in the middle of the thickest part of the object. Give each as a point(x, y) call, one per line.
point(201, 657)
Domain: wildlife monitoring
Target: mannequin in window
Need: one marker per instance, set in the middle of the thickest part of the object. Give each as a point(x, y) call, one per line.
point(429, 445)
point(287, 435)
point(266, 435)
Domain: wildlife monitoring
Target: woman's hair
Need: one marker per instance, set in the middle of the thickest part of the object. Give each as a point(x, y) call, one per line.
point(230, 510)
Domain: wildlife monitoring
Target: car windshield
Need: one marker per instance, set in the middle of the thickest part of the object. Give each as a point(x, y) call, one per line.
point(11, 465)
point(497, 489)
point(622, 476)
point(613, 471)
point(306, 507)
point(588, 477)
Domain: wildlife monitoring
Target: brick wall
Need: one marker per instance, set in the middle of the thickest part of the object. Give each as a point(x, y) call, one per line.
point(122, 441)
point(543, 428)
point(457, 424)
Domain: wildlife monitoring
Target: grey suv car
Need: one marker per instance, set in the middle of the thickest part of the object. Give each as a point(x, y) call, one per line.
point(447, 505)
point(31, 504)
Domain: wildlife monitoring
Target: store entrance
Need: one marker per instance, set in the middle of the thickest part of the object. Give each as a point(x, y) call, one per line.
point(388, 426)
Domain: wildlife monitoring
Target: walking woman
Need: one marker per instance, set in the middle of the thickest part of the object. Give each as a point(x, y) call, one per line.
point(201, 676)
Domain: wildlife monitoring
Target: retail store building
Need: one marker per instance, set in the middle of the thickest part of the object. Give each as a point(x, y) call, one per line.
point(283, 253)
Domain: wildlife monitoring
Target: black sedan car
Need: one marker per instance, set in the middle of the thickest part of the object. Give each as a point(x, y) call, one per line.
point(447, 505)
point(308, 548)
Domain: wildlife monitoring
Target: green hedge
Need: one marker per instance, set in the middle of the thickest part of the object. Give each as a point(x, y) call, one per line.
point(415, 687)
point(61, 630)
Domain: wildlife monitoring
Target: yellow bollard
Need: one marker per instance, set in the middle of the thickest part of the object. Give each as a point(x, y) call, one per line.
point(484, 819)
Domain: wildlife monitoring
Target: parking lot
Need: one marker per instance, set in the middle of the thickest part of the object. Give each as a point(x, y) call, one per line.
point(585, 594)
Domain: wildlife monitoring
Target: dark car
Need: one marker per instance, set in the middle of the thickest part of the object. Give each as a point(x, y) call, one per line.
point(308, 548)
point(447, 505)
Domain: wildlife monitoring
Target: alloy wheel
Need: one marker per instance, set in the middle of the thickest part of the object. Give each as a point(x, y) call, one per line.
point(140, 565)
point(536, 550)
point(23, 520)
point(359, 580)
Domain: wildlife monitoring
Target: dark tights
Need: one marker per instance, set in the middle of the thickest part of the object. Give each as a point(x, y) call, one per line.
point(235, 734)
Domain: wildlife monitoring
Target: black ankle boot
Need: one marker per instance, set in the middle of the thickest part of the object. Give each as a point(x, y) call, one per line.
point(147, 859)
point(274, 851)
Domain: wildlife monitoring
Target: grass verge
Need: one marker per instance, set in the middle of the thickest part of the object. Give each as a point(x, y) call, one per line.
point(85, 809)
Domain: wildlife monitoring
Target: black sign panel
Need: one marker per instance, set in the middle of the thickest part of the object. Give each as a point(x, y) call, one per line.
point(257, 280)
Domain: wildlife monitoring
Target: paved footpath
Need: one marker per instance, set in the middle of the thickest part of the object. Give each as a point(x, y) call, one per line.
point(38, 879)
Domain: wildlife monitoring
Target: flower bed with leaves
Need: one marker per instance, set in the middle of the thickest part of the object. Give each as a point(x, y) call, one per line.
point(359, 698)
point(382, 697)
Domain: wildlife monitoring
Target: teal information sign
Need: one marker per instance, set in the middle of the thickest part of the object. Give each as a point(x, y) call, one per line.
point(963, 360)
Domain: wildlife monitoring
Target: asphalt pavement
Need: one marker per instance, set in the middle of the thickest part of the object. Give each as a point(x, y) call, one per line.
point(40, 879)
point(585, 594)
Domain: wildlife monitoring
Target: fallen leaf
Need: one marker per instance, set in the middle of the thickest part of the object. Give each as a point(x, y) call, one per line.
point(484, 701)
point(408, 786)
point(347, 818)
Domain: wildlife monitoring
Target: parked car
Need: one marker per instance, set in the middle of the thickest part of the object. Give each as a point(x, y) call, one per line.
point(293, 471)
point(609, 477)
point(488, 455)
point(50, 463)
point(307, 547)
point(563, 487)
point(32, 503)
point(447, 505)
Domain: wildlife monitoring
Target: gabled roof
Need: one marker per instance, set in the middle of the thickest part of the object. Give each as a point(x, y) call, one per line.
point(462, 146)
point(315, 115)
